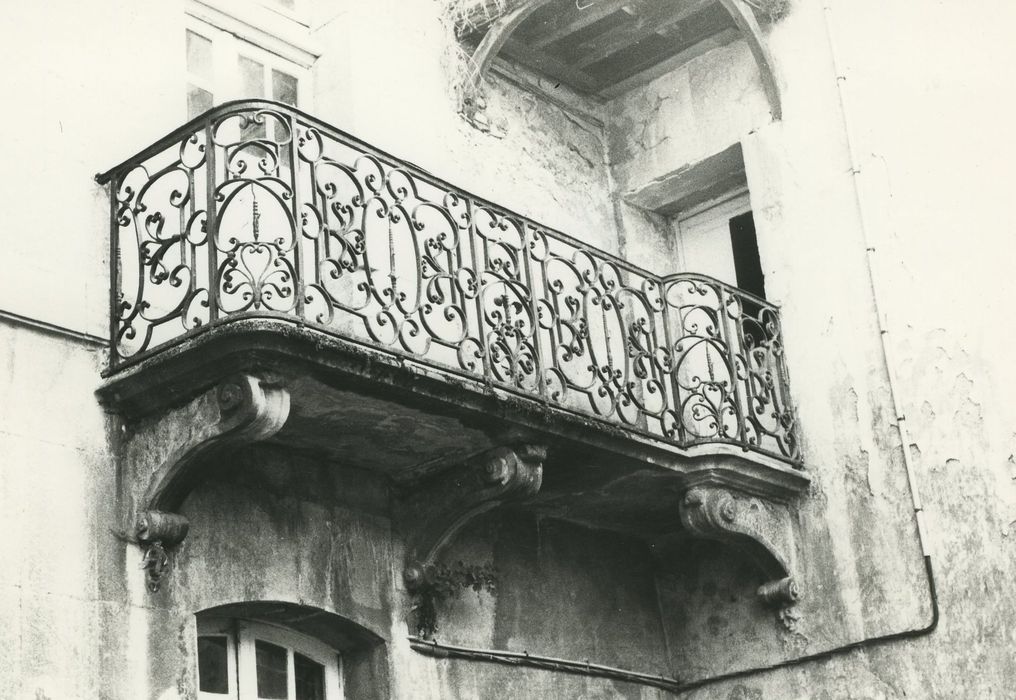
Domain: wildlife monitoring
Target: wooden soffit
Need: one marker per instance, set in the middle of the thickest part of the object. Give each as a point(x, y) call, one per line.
point(604, 48)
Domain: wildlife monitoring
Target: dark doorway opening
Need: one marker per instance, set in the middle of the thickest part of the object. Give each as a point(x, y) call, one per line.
point(747, 264)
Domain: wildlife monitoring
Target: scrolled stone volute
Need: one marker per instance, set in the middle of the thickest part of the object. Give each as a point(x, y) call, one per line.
point(156, 526)
point(241, 410)
point(760, 530)
point(439, 509)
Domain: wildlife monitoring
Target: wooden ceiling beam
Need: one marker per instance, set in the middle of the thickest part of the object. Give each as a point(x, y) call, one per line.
point(727, 36)
point(572, 19)
point(494, 40)
point(543, 62)
point(472, 18)
point(657, 19)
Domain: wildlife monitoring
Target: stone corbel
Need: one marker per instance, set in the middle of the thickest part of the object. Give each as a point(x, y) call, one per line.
point(759, 530)
point(249, 409)
point(447, 503)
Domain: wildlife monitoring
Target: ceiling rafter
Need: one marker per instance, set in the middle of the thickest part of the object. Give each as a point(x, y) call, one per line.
point(545, 63)
point(520, 30)
point(659, 18)
point(474, 17)
point(494, 40)
point(574, 18)
point(650, 74)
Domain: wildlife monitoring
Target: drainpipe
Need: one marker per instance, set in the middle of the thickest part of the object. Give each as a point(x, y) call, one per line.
point(875, 282)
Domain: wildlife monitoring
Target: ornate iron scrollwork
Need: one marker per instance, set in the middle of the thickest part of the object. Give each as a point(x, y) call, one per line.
point(259, 210)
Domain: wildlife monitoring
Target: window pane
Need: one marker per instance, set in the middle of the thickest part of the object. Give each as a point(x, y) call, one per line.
point(310, 678)
point(212, 665)
point(284, 87)
point(198, 101)
point(199, 56)
point(252, 77)
point(271, 671)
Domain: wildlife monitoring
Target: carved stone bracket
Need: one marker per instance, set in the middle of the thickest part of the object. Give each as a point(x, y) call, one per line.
point(156, 532)
point(249, 409)
point(760, 530)
point(447, 503)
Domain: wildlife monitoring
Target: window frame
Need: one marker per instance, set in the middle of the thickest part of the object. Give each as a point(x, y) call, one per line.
point(710, 219)
point(260, 32)
point(241, 636)
point(226, 82)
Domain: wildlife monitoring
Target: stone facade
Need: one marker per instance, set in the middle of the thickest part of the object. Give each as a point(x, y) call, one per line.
point(879, 204)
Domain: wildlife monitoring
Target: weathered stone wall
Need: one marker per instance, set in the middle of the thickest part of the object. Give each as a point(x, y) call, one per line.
point(270, 526)
point(933, 157)
point(57, 619)
point(391, 81)
point(87, 86)
point(932, 138)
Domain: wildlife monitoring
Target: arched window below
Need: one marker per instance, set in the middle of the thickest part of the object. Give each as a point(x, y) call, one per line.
point(247, 660)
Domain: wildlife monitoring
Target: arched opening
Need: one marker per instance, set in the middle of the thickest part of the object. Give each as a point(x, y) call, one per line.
point(268, 650)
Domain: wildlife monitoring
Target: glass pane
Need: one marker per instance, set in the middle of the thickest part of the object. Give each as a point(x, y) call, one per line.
point(271, 671)
point(213, 675)
point(199, 56)
point(252, 77)
point(310, 678)
point(284, 87)
point(198, 101)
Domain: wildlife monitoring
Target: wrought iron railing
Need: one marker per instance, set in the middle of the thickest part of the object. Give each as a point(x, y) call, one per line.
point(255, 209)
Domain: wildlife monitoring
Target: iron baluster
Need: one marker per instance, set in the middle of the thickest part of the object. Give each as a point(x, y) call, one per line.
point(481, 333)
point(212, 222)
point(529, 279)
point(299, 277)
point(114, 275)
point(725, 299)
point(674, 404)
point(746, 385)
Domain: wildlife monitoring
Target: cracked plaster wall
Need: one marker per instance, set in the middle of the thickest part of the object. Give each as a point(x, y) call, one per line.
point(547, 164)
point(935, 152)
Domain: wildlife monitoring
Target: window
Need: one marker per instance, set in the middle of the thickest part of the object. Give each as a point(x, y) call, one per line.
point(243, 51)
point(246, 660)
point(221, 67)
point(718, 239)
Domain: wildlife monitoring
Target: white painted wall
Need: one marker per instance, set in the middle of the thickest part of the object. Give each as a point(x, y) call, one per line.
point(929, 100)
point(89, 85)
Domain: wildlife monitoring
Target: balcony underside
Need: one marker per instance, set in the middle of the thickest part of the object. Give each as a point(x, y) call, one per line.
point(452, 447)
point(364, 408)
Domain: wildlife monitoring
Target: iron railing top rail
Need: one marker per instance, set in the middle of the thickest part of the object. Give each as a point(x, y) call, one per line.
point(682, 356)
point(226, 108)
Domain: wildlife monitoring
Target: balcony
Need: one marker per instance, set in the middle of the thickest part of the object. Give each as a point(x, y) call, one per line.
point(256, 210)
point(276, 280)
